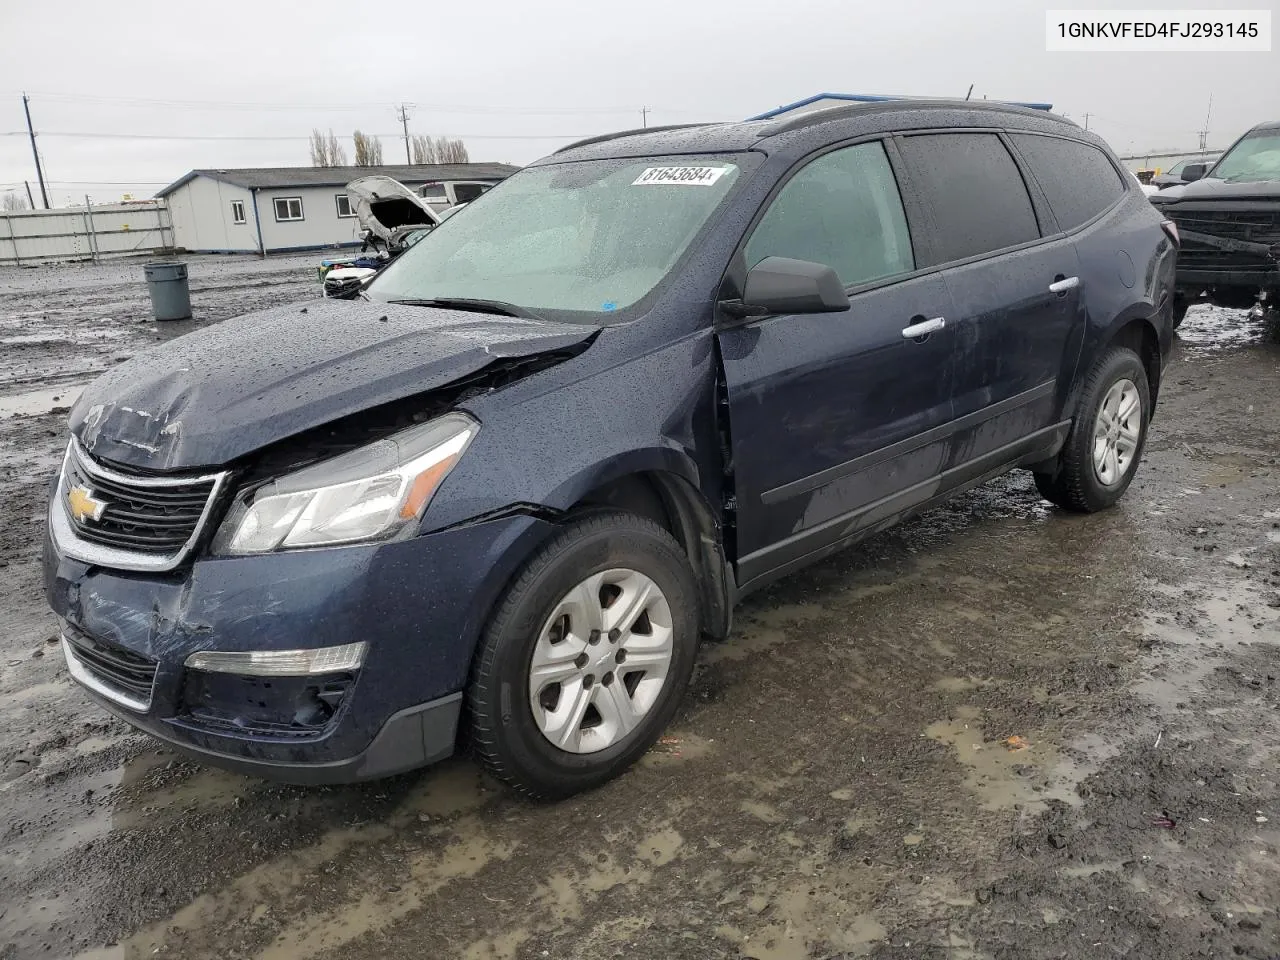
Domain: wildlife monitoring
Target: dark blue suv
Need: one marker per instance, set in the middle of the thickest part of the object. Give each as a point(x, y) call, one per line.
point(503, 495)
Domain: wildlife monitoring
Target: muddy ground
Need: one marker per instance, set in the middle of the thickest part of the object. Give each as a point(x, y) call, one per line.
point(997, 731)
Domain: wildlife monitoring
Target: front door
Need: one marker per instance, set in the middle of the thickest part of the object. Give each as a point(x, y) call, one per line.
point(836, 419)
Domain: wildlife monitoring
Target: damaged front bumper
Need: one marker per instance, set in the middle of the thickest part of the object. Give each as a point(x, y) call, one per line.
point(417, 605)
point(1228, 248)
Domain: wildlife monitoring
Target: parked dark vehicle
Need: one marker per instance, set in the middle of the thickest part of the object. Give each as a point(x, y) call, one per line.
point(507, 493)
point(1192, 167)
point(1229, 221)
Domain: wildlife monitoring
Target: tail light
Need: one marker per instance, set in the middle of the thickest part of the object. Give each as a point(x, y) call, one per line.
point(1171, 229)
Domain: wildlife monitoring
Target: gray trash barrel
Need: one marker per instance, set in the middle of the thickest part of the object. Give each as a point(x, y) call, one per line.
point(170, 295)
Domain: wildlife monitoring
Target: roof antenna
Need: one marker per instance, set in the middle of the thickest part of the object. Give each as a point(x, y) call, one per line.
point(970, 93)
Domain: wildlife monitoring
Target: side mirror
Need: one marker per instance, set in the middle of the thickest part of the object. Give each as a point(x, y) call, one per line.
point(779, 285)
point(1193, 171)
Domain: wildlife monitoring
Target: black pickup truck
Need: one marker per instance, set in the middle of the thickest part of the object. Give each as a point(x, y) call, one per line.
point(1229, 222)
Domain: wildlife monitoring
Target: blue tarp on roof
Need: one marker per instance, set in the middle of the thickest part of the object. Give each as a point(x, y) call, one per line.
point(870, 98)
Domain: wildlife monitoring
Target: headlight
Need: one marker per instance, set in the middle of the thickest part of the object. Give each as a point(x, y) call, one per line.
point(371, 493)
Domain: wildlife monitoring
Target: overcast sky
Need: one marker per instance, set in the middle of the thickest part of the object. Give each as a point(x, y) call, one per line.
point(515, 78)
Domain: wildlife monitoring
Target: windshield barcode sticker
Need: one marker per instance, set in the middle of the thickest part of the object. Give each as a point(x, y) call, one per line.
point(682, 176)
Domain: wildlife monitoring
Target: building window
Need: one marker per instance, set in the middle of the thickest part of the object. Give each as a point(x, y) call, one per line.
point(345, 207)
point(237, 211)
point(288, 208)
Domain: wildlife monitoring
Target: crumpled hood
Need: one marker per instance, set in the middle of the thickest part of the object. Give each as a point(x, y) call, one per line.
point(222, 392)
point(1211, 189)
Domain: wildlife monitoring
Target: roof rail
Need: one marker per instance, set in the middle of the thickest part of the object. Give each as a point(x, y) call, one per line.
point(809, 118)
point(880, 98)
point(601, 138)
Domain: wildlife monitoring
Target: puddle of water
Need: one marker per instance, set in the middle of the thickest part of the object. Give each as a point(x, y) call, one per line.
point(1193, 644)
point(429, 872)
point(805, 918)
point(453, 790)
point(1213, 328)
point(40, 401)
point(1002, 777)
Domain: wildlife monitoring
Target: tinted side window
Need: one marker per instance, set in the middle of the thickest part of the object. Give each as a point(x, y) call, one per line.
point(973, 190)
point(1078, 180)
point(843, 209)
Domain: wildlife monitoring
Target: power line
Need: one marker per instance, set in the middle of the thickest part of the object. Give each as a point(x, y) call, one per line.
point(94, 183)
point(337, 105)
point(184, 136)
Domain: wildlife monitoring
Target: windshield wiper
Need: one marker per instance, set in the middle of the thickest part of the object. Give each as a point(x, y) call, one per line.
point(500, 307)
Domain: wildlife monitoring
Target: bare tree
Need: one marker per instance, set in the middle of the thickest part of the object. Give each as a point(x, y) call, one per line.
point(326, 151)
point(424, 149)
point(368, 150)
point(319, 149)
point(337, 152)
point(12, 202)
point(451, 151)
point(438, 150)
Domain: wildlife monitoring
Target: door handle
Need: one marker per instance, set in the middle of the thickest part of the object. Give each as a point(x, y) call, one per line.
point(924, 328)
point(1064, 284)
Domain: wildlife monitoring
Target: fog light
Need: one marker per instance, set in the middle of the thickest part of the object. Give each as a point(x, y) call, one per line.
point(280, 663)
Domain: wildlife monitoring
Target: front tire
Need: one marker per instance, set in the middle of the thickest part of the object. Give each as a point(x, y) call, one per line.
point(1108, 435)
point(586, 657)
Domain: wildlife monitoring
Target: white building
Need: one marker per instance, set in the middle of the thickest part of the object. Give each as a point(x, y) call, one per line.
point(277, 209)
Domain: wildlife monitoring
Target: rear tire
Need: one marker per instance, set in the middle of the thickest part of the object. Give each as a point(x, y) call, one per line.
point(1104, 447)
point(557, 704)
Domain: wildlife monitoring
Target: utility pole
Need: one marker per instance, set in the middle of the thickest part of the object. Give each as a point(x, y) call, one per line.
point(644, 117)
point(1086, 121)
point(1204, 134)
point(30, 202)
point(34, 152)
point(403, 116)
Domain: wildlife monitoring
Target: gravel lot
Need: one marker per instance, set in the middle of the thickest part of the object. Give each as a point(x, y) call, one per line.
point(842, 781)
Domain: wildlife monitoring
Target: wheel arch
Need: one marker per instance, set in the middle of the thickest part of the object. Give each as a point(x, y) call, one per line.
point(673, 501)
point(1135, 329)
point(1139, 334)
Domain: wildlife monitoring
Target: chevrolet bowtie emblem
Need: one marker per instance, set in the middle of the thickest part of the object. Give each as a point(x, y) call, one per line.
point(84, 505)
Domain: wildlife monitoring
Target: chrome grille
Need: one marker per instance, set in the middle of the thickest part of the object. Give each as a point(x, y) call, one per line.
point(130, 521)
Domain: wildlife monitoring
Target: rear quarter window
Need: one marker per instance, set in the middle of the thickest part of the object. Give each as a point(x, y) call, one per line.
point(1078, 180)
point(974, 192)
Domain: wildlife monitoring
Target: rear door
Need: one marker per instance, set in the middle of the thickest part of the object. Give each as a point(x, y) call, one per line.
point(1016, 324)
point(836, 418)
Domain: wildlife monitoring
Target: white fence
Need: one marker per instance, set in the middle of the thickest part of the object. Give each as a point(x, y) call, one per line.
point(85, 233)
point(1163, 161)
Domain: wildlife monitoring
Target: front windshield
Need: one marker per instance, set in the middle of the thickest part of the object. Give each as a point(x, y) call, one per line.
point(594, 236)
point(1256, 157)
